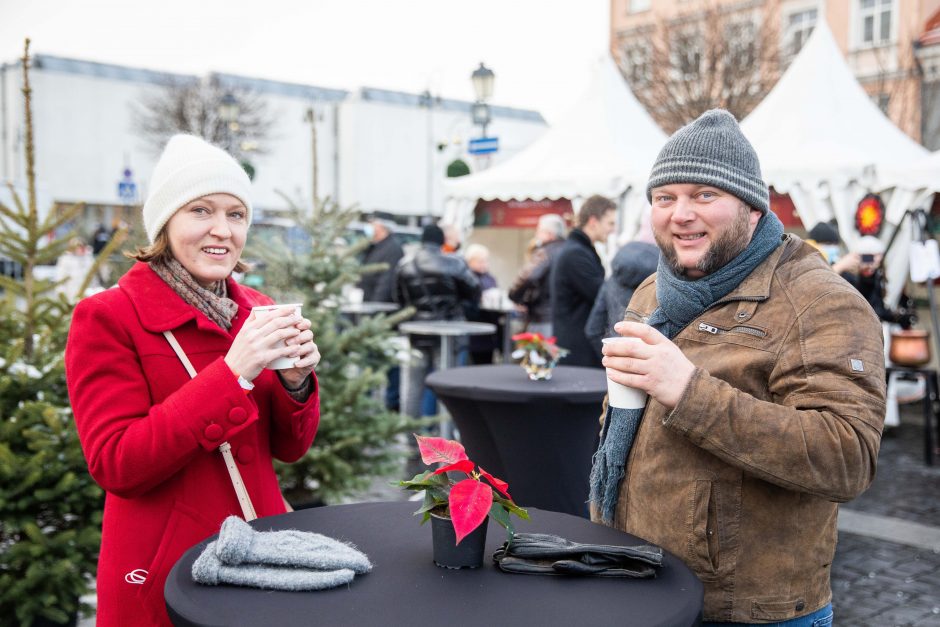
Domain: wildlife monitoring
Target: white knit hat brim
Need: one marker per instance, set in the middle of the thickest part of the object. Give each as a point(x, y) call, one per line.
point(191, 168)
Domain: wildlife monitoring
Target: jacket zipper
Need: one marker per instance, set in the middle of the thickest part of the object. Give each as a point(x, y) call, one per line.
point(707, 328)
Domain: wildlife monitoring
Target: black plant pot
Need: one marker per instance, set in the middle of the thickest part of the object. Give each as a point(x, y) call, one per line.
point(449, 554)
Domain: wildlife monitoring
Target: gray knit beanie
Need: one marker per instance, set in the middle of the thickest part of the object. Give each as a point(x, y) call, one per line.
point(712, 150)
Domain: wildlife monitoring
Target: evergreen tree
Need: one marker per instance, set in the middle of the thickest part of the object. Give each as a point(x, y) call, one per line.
point(356, 439)
point(50, 508)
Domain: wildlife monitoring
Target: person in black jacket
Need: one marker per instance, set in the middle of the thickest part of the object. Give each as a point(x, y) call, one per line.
point(439, 287)
point(630, 267)
point(377, 286)
point(576, 276)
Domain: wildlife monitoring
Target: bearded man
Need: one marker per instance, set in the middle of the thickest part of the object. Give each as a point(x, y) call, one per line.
point(766, 391)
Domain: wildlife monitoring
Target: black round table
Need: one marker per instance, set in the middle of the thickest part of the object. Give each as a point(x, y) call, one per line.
point(537, 435)
point(406, 588)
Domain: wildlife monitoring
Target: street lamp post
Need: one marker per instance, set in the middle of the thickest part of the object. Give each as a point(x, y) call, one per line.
point(482, 79)
point(428, 101)
point(228, 111)
point(311, 117)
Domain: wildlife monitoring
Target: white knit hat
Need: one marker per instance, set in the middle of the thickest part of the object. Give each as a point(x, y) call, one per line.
point(191, 168)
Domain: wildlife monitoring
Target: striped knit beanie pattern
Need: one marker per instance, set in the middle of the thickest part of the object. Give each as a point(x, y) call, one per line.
point(712, 150)
point(191, 168)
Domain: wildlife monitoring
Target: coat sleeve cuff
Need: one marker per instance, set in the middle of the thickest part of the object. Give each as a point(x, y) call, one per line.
point(216, 406)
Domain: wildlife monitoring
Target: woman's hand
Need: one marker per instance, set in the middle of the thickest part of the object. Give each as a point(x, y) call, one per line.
point(262, 340)
point(655, 365)
point(306, 352)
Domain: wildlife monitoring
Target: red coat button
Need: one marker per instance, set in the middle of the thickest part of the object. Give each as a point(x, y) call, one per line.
point(214, 432)
point(245, 454)
point(237, 415)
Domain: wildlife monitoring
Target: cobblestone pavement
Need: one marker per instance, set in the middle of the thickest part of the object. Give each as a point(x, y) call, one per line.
point(880, 582)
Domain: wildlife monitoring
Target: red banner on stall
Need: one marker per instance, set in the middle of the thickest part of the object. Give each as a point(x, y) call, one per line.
point(519, 214)
point(783, 206)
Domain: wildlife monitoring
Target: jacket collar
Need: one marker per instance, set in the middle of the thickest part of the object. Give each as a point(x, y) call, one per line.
point(756, 286)
point(160, 309)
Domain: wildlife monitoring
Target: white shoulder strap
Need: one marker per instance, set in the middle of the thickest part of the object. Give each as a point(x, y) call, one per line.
point(248, 509)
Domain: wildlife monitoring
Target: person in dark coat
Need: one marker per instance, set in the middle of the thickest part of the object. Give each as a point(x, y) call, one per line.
point(630, 267)
point(482, 346)
point(576, 276)
point(531, 289)
point(377, 286)
point(440, 287)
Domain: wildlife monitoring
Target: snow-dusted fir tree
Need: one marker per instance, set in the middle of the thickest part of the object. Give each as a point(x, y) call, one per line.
point(357, 438)
point(50, 508)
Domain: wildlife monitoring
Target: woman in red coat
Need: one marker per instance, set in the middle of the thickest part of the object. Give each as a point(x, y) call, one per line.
point(150, 433)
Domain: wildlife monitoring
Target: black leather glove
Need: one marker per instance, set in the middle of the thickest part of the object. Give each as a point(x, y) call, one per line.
point(545, 554)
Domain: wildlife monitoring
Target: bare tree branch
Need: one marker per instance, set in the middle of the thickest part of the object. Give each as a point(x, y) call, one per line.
point(713, 56)
point(193, 106)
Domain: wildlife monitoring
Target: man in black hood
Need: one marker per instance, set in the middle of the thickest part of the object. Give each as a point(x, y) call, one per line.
point(377, 286)
point(630, 267)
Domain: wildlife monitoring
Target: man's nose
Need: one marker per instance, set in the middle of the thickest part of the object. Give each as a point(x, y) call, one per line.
point(684, 211)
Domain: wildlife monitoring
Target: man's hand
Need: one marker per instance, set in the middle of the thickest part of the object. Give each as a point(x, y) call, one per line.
point(656, 365)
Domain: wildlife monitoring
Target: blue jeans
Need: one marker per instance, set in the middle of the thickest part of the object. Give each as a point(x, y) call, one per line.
point(820, 618)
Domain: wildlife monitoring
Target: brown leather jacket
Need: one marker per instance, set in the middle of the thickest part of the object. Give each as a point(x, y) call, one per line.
point(781, 421)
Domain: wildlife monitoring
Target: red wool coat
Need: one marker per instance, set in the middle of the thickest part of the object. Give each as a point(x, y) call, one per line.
point(150, 434)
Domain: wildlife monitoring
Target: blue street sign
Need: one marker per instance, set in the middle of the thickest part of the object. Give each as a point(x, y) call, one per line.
point(483, 145)
point(127, 188)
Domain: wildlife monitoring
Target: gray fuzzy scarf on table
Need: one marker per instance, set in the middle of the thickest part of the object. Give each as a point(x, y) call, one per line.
point(680, 302)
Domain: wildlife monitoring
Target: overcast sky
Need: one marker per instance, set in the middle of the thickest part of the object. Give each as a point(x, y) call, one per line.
point(540, 50)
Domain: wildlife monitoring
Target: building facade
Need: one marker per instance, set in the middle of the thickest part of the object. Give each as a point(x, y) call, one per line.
point(881, 41)
point(375, 149)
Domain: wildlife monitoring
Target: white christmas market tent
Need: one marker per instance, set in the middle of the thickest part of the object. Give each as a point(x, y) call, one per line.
point(605, 144)
point(821, 140)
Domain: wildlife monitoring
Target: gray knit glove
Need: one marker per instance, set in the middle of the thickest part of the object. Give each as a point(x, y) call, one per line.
point(240, 544)
point(277, 560)
point(209, 570)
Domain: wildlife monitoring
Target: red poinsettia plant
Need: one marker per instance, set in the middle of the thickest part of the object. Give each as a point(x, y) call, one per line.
point(537, 349)
point(468, 501)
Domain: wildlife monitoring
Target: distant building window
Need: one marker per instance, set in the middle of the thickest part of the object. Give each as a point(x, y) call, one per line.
point(742, 44)
point(875, 21)
point(882, 100)
point(797, 29)
point(685, 50)
point(638, 6)
point(636, 63)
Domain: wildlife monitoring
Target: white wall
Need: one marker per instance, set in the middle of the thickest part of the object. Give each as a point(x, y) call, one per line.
point(379, 160)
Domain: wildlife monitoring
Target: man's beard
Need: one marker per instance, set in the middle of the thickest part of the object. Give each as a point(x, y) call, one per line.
point(730, 243)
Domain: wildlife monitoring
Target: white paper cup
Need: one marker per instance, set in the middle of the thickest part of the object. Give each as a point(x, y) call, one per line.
point(619, 395)
point(280, 363)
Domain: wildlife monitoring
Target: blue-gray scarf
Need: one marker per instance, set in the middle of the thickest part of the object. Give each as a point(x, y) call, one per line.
point(680, 302)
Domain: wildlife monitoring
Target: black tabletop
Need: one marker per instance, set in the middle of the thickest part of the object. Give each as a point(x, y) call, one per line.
point(509, 382)
point(407, 588)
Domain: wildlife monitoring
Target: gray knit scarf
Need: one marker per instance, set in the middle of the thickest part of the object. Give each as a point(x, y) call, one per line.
point(214, 303)
point(680, 302)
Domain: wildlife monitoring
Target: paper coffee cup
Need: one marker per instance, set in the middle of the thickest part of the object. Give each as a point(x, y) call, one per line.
point(619, 395)
point(280, 363)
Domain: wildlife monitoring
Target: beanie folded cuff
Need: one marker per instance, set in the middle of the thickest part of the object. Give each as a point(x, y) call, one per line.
point(752, 191)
